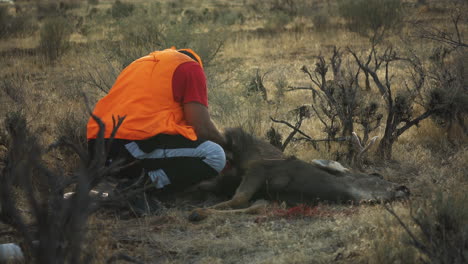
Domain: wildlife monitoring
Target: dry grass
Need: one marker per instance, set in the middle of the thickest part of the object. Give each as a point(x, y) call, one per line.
point(425, 159)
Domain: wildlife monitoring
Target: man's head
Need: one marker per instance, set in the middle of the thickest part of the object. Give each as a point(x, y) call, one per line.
point(192, 55)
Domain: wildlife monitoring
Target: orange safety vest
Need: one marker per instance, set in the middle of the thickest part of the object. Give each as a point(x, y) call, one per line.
point(143, 93)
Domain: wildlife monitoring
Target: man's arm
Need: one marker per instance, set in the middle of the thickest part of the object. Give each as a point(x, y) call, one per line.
point(197, 115)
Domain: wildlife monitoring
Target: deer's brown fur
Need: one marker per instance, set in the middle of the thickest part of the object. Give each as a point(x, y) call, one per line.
point(264, 170)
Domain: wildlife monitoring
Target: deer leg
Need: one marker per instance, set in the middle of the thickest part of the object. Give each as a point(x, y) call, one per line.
point(202, 213)
point(251, 183)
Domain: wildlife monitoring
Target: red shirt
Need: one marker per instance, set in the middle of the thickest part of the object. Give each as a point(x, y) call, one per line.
point(189, 84)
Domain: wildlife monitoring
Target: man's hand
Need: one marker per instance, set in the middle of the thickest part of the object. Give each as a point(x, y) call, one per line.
point(197, 115)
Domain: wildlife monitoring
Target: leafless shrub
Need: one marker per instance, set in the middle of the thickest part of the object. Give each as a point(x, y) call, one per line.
point(275, 138)
point(300, 114)
point(60, 223)
point(338, 101)
point(400, 114)
point(452, 37)
point(99, 73)
point(256, 86)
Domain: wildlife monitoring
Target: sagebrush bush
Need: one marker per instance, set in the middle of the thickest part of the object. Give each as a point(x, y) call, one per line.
point(435, 230)
point(449, 93)
point(143, 33)
point(229, 17)
point(121, 10)
point(371, 17)
point(321, 21)
point(276, 21)
point(55, 37)
point(289, 7)
point(72, 128)
point(443, 220)
point(54, 8)
point(47, 8)
point(4, 20)
point(18, 25)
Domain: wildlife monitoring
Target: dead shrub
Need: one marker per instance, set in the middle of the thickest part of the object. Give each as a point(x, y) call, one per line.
point(60, 225)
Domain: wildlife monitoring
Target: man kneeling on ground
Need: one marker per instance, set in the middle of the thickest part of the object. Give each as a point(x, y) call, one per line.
point(167, 127)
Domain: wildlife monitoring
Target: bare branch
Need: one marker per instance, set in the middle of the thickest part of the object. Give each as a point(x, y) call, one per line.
point(438, 35)
point(413, 122)
point(291, 126)
point(383, 90)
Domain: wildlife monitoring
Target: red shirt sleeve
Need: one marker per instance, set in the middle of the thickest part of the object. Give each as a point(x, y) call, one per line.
point(189, 84)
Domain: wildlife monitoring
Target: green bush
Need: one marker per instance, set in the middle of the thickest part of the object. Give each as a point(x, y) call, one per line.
point(371, 17)
point(121, 10)
point(55, 37)
point(93, 2)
